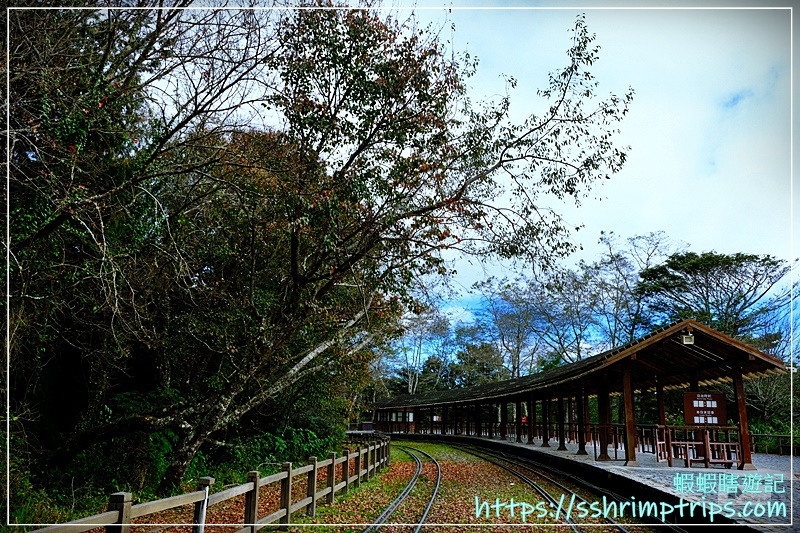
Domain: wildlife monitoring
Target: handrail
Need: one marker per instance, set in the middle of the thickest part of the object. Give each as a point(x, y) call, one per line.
point(368, 461)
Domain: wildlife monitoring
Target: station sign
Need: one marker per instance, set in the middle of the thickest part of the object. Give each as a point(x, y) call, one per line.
point(705, 409)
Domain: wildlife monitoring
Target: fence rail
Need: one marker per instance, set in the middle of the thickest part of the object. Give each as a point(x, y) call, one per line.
point(775, 444)
point(367, 460)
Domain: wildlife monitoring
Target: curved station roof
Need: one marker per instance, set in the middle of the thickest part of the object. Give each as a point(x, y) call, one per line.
point(678, 355)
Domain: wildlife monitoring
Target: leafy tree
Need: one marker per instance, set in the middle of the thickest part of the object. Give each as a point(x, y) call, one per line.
point(437, 374)
point(423, 350)
point(190, 259)
point(735, 293)
point(477, 361)
point(511, 314)
point(566, 305)
point(741, 295)
point(621, 312)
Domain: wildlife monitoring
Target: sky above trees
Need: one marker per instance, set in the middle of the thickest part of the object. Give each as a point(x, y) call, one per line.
point(215, 216)
point(709, 127)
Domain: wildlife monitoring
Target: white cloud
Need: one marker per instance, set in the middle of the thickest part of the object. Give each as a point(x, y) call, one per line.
point(709, 125)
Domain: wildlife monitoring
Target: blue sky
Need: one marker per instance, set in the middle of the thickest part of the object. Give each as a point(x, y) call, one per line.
point(709, 127)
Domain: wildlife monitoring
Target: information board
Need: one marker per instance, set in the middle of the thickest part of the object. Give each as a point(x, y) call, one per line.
point(705, 409)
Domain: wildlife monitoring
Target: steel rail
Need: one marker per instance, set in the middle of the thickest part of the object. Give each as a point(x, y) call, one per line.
point(400, 498)
point(519, 463)
point(542, 492)
point(435, 488)
point(591, 486)
point(577, 481)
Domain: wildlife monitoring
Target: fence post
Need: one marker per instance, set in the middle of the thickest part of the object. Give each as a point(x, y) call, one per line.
point(346, 471)
point(357, 465)
point(120, 501)
point(331, 477)
point(286, 497)
point(200, 507)
point(251, 501)
point(311, 508)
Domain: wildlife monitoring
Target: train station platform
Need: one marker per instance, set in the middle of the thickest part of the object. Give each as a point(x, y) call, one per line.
point(749, 496)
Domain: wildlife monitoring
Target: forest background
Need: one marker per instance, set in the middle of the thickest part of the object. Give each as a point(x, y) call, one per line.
point(230, 231)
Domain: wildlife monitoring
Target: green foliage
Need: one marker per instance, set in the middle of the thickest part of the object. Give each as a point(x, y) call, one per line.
point(735, 293)
point(179, 274)
point(264, 452)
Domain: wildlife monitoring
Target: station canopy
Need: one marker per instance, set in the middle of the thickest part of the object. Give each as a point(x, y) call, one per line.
point(679, 355)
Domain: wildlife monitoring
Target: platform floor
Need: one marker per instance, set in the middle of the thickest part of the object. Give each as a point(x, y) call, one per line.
point(757, 487)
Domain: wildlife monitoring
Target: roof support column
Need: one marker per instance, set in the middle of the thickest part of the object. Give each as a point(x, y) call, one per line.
point(473, 420)
point(604, 419)
point(478, 428)
point(562, 438)
point(587, 413)
point(581, 423)
point(630, 415)
point(746, 461)
point(547, 411)
point(662, 412)
point(571, 420)
point(503, 420)
point(405, 418)
point(416, 420)
point(518, 426)
point(531, 418)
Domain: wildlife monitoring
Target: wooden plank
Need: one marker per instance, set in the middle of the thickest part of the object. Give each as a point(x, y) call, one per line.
point(272, 479)
point(339, 486)
point(203, 483)
point(83, 524)
point(229, 493)
point(323, 492)
point(270, 518)
point(286, 496)
point(302, 470)
point(122, 502)
point(323, 464)
point(329, 478)
point(251, 500)
point(301, 504)
point(311, 488)
point(156, 506)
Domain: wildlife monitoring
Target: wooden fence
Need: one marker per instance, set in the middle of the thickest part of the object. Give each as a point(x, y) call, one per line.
point(775, 444)
point(367, 461)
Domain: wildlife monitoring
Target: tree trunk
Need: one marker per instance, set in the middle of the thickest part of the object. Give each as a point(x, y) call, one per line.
point(183, 455)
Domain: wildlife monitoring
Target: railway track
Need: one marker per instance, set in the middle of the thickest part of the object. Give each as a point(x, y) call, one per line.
point(546, 495)
point(404, 494)
point(546, 473)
